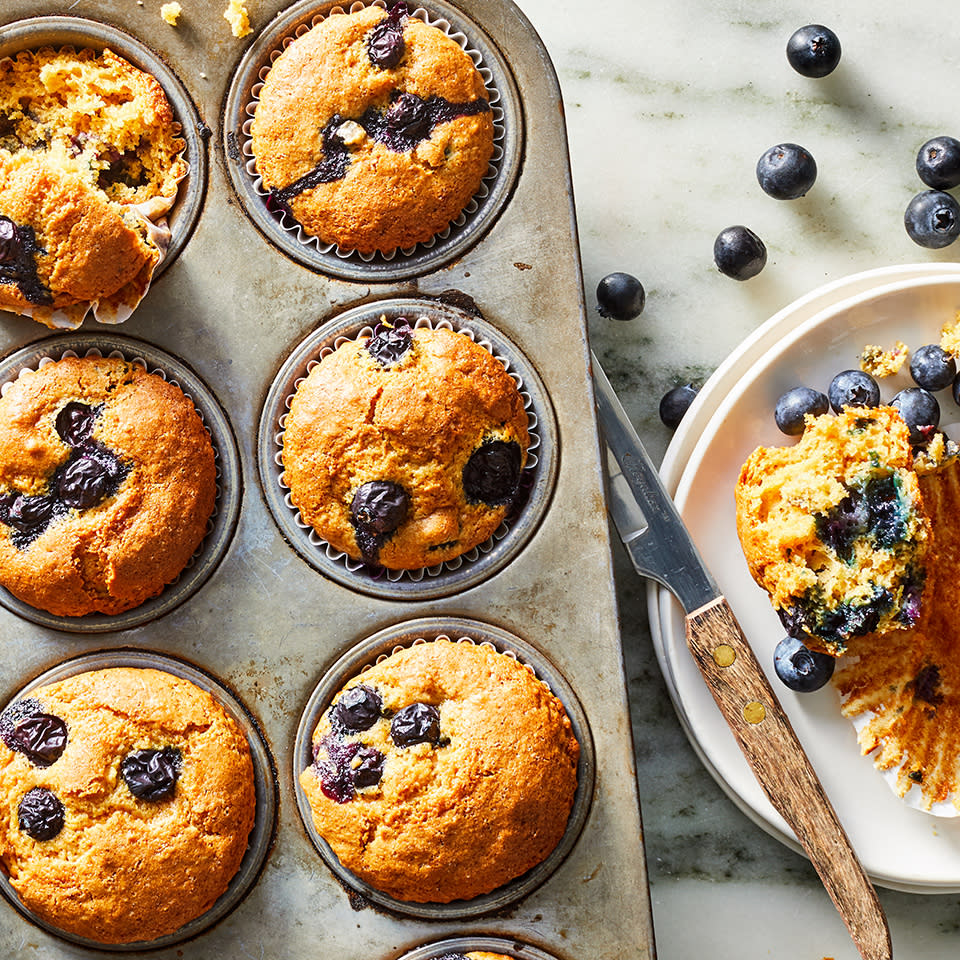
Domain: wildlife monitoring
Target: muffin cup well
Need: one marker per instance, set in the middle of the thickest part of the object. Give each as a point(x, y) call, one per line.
point(464, 945)
point(37, 32)
point(378, 647)
point(223, 521)
point(474, 565)
point(282, 230)
point(264, 827)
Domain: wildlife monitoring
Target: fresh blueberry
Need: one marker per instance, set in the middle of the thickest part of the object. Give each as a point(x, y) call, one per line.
point(786, 171)
point(152, 775)
point(74, 423)
point(794, 405)
point(932, 219)
point(956, 389)
point(853, 388)
point(492, 473)
point(932, 367)
point(620, 296)
point(416, 723)
point(800, 668)
point(40, 814)
point(25, 728)
point(938, 163)
point(675, 403)
point(813, 50)
point(739, 253)
point(357, 709)
point(920, 411)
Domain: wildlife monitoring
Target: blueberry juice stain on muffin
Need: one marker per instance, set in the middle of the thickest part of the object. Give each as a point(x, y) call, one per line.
point(442, 772)
point(408, 448)
point(120, 786)
point(373, 130)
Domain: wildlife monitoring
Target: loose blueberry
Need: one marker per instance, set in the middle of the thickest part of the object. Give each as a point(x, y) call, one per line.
point(492, 473)
point(357, 709)
point(368, 772)
point(620, 296)
point(853, 388)
point(920, 411)
point(88, 478)
point(75, 422)
point(739, 253)
point(152, 775)
point(385, 46)
point(675, 403)
point(800, 668)
point(25, 728)
point(390, 343)
point(40, 814)
point(932, 219)
point(938, 163)
point(932, 367)
point(786, 171)
point(813, 50)
point(417, 723)
point(794, 405)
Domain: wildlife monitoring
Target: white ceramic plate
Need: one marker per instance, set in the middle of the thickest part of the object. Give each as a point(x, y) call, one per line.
point(807, 343)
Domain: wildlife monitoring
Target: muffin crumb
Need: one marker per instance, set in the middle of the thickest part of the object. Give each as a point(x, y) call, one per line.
point(238, 18)
point(950, 336)
point(170, 13)
point(883, 363)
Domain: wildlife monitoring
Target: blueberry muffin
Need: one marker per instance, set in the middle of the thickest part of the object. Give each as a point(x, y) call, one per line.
point(90, 160)
point(107, 481)
point(126, 800)
point(442, 772)
point(406, 449)
point(373, 130)
point(834, 527)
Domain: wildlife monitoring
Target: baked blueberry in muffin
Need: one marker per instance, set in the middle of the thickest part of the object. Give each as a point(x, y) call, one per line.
point(373, 130)
point(834, 527)
point(442, 772)
point(406, 449)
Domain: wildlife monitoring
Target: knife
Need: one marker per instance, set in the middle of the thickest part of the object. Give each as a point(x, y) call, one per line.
point(660, 548)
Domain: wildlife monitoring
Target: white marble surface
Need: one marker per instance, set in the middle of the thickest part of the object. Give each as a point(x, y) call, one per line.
point(668, 107)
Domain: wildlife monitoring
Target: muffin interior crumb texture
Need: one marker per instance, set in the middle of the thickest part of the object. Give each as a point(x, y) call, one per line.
point(107, 482)
point(90, 159)
point(373, 130)
point(442, 772)
point(127, 800)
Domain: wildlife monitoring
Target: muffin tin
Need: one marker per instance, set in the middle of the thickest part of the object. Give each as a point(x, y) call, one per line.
point(234, 307)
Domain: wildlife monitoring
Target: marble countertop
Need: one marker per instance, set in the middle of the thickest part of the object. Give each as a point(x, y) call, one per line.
point(668, 107)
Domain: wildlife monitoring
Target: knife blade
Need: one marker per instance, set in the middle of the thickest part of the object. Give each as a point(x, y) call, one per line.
point(660, 547)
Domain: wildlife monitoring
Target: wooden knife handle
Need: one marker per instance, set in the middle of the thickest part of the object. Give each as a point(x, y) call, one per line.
point(769, 743)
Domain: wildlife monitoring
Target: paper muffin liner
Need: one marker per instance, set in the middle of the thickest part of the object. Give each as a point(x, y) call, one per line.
point(480, 561)
point(222, 521)
point(120, 305)
point(290, 225)
point(375, 649)
point(265, 782)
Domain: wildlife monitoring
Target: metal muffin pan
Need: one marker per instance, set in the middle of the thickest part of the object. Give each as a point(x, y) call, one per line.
point(368, 652)
point(58, 32)
point(261, 836)
point(234, 305)
point(449, 243)
point(227, 458)
point(474, 566)
point(462, 945)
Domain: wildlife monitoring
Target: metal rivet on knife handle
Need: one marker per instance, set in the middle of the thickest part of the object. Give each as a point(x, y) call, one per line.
point(724, 655)
point(754, 712)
